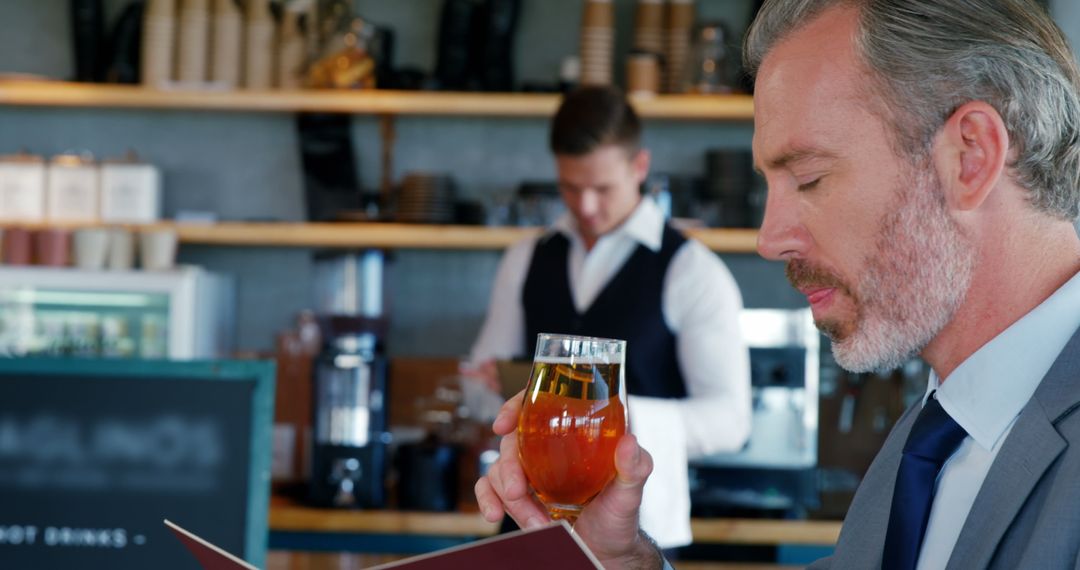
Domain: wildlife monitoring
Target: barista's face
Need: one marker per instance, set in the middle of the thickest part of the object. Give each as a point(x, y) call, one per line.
point(602, 188)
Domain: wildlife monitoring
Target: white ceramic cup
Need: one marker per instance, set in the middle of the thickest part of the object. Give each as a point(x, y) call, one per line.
point(157, 249)
point(91, 248)
point(121, 249)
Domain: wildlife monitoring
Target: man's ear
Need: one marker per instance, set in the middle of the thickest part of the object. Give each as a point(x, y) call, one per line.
point(640, 164)
point(970, 153)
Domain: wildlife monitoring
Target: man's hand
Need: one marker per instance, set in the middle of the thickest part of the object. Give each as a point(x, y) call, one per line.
point(485, 372)
point(608, 524)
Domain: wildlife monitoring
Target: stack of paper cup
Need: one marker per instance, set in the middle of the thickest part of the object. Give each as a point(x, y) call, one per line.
point(597, 42)
point(258, 46)
point(194, 33)
point(291, 44)
point(649, 26)
point(17, 248)
point(225, 44)
point(121, 254)
point(648, 39)
point(159, 30)
point(91, 248)
point(680, 27)
point(642, 74)
point(52, 247)
point(157, 249)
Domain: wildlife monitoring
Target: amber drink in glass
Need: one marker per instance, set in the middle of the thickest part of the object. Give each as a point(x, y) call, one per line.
point(572, 417)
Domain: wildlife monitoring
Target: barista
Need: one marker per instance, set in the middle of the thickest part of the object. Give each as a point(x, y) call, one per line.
point(613, 267)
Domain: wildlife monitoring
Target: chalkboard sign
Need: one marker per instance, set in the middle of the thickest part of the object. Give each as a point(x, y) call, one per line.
point(94, 454)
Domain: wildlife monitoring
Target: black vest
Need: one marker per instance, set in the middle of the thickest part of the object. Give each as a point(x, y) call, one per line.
point(630, 308)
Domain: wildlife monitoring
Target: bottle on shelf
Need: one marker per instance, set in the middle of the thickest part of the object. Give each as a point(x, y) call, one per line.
point(346, 62)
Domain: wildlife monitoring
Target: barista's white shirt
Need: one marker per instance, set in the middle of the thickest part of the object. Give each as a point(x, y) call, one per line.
point(701, 304)
point(985, 395)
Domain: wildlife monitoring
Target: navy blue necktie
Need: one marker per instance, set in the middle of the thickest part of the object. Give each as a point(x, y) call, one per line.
point(933, 438)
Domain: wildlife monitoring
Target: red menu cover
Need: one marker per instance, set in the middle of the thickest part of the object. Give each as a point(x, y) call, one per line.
point(209, 556)
point(545, 548)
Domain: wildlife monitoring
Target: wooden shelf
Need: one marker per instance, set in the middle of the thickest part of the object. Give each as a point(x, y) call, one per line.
point(343, 235)
point(374, 102)
point(406, 236)
point(383, 235)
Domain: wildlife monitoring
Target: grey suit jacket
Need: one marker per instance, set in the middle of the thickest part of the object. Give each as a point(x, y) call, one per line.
point(1027, 513)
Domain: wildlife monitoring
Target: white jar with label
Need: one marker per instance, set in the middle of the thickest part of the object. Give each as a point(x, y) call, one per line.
point(130, 192)
point(72, 190)
point(22, 188)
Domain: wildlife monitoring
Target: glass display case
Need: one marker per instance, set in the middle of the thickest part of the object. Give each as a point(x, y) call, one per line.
point(184, 313)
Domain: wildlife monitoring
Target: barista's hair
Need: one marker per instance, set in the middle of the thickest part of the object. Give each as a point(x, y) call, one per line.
point(929, 57)
point(592, 117)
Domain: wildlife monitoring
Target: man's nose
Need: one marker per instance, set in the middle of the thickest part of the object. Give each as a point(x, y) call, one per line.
point(589, 204)
point(782, 235)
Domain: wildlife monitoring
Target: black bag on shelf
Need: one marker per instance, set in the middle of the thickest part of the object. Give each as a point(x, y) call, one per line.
point(496, 54)
point(475, 45)
point(331, 183)
point(455, 26)
point(125, 45)
point(88, 39)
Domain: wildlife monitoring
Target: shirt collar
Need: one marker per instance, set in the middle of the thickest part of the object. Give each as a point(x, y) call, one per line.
point(645, 225)
point(987, 391)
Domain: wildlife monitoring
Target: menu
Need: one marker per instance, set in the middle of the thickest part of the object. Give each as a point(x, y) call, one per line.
point(551, 546)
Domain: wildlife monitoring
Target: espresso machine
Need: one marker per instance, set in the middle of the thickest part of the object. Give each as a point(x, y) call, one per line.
point(774, 474)
point(349, 383)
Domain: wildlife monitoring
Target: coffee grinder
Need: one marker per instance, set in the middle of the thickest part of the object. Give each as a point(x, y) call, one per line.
point(349, 383)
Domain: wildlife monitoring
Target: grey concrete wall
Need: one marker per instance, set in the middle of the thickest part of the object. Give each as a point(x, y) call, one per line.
point(548, 30)
point(246, 166)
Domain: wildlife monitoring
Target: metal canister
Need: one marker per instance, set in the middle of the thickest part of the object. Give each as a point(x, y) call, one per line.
point(22, 187)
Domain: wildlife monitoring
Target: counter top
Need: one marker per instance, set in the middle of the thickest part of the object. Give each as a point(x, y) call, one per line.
point(289, 516)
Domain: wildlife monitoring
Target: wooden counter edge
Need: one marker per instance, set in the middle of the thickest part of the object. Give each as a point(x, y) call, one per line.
point(765, 531)
point(295, 518)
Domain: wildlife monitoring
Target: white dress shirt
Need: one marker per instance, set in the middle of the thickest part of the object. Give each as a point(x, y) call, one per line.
point(985, 395)
point(701, 305)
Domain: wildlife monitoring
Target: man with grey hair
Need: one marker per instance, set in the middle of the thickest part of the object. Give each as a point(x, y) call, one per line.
point(923, 163)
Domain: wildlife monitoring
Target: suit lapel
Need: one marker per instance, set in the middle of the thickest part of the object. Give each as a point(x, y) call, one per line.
point(1029, 450)
point(862, 538)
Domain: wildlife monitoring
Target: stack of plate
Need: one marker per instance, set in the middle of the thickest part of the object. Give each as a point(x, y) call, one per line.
point(426, 199)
